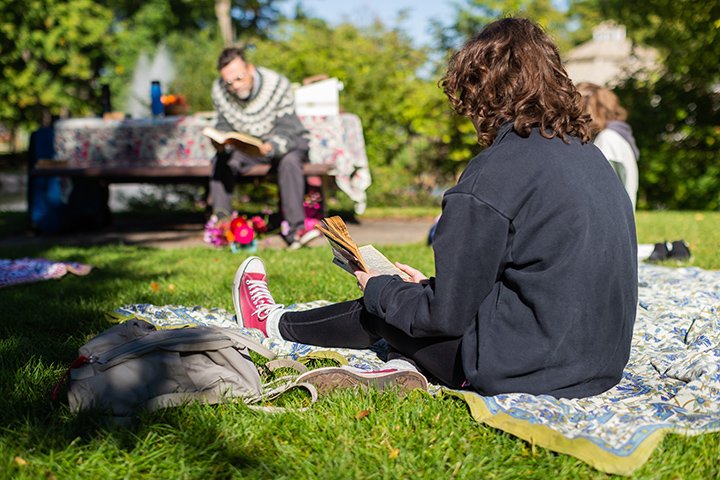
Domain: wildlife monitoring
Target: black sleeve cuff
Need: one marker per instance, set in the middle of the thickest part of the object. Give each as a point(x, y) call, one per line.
point(373, 293)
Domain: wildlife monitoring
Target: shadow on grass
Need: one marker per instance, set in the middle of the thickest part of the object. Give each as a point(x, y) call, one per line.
point(44, 323)
point(41, 329)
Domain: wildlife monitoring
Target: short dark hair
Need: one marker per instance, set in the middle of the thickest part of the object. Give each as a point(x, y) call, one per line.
point(228, 55)
point(511, 72)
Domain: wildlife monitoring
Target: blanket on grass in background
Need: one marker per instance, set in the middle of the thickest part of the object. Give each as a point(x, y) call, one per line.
point(29, 270)
point(671, 384)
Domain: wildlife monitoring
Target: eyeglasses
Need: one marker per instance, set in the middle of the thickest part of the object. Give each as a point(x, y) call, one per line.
point(239, 78)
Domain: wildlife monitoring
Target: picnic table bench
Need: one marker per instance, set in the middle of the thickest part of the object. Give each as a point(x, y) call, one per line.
point(174, 150)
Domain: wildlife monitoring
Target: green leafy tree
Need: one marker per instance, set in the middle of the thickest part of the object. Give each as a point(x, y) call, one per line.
point(51, 54)
point(190, 29)
point(55, 55)
point(404, 116)
point(676, 114)
point(194, 57)
point(567, 26)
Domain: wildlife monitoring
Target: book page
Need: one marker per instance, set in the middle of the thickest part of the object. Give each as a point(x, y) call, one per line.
point(245, 138)
point(348, 256)
point(241, 141)
point(378, 263)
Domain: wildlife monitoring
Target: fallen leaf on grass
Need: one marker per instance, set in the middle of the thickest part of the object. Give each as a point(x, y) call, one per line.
point(362, 414)
point(21, 462)
point(394, 453)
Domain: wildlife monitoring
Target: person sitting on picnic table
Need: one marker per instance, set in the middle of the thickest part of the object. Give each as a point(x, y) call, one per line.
point(535, 252)
point(258, 101)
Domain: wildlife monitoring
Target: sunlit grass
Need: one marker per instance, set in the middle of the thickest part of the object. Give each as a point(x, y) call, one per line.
point(43, 324)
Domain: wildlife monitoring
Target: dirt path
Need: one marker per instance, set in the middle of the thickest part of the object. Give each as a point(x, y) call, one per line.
point(189, 234)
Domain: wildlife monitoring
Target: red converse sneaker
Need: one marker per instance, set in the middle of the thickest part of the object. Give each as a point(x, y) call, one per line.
point(329, 378)
point(251, 297)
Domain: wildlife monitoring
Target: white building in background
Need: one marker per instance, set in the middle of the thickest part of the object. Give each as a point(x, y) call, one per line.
point(609, 57)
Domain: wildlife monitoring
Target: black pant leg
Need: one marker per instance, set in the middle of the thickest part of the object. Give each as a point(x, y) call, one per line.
point(336, 325)
point(226, 166)
point(350, 325)
point(291, 186)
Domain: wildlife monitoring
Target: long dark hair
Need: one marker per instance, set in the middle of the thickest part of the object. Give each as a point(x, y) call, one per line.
point(511, 72)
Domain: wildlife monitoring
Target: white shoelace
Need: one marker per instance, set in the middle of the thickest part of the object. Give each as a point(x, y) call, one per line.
point(260, 297)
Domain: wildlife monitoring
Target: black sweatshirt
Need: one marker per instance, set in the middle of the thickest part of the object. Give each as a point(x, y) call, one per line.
point(536, 270)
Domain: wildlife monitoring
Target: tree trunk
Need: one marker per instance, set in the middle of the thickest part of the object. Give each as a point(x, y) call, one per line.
point(222, 12)
point(13, 128)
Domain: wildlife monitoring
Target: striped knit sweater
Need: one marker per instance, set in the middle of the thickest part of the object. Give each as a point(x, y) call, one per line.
point(269, 113)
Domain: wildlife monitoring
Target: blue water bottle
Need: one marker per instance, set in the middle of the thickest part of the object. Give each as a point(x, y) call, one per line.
point(155, 103)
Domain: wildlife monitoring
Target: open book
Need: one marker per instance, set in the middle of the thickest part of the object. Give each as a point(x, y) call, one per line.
point(241, 141)
point(348, 256)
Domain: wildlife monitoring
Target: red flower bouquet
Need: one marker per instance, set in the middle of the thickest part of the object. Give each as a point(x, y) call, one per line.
point(235, 231)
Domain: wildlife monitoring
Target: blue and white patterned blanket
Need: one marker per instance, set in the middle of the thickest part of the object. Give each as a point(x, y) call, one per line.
point(670, 385)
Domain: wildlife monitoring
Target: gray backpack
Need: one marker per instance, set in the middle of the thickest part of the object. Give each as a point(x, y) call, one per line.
point(133, 366)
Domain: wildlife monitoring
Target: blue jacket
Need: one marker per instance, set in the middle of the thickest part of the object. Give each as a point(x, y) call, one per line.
point(536, 270)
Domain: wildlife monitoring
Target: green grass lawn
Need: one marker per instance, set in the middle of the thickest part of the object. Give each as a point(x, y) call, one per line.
point(418, 436)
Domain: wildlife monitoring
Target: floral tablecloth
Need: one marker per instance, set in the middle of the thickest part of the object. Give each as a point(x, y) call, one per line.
point(335, 140)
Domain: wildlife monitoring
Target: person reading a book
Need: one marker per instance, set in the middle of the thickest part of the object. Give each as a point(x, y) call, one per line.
point(535, 285)
point(257, 101)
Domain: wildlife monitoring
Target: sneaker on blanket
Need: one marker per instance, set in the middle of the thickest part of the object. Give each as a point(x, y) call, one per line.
point(251, 297)
point(329, 378)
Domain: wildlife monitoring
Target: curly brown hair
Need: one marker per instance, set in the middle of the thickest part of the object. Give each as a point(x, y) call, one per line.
point(511, 72)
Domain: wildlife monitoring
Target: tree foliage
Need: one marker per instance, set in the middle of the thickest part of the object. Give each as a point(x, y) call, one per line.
point(685, 31)
point(184, 26)
point(675, 115)
point(56, 54)
point(405, 117)
point(51, 55)
point(567, 27)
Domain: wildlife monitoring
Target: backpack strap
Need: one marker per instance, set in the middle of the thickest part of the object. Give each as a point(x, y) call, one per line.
point(278, 363)
point(271, 391)
point(245, 340)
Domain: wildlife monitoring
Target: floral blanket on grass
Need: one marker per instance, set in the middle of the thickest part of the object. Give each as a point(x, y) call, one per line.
point(29, 270)
point(179, 316)
point(670, 385)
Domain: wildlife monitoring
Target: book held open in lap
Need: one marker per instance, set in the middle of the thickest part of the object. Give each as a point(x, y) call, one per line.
point(239, 140)
point(348, 256)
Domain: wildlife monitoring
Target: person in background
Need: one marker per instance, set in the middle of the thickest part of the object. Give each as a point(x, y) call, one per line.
point(613, 136)
point(535, 286)
point(258, 101)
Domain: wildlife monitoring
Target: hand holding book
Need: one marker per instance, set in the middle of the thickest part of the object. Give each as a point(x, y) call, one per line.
point(414, 276)
point(239, 140)
point(348, 256)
